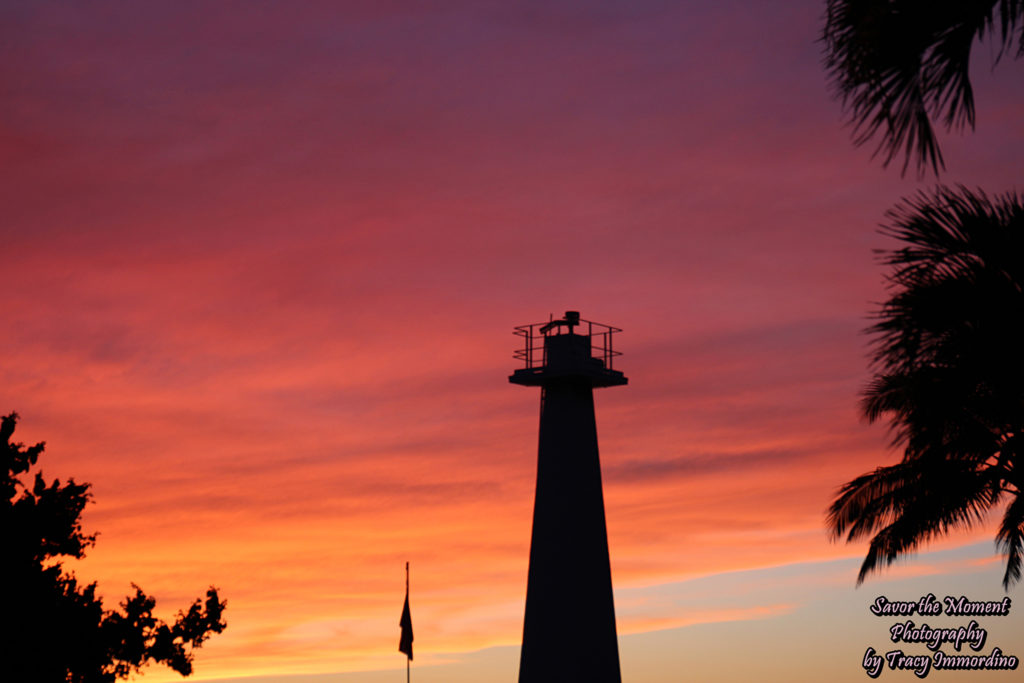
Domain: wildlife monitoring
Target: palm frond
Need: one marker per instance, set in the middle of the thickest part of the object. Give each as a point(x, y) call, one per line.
point(1010, 540)
point(948, 378)
point(929, 501)
point(898, 64)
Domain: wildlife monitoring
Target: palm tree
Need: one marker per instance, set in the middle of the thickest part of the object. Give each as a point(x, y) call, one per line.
point(897, 64)
point(949, 376)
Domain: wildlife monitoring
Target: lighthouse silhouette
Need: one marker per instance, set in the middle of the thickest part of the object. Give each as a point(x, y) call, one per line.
point(569, 626)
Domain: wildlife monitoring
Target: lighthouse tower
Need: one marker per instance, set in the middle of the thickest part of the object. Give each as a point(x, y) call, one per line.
point(569, 627)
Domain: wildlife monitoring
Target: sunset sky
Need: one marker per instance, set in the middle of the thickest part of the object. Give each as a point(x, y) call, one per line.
point(261, 266)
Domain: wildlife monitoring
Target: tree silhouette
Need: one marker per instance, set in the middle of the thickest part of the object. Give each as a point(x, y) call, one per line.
point(58, 629)
point(897, 64)
point(949, 375)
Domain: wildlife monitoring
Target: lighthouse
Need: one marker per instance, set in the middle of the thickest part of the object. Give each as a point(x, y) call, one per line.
point(569, 626)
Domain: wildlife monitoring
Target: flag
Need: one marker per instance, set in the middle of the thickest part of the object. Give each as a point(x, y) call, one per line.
point(405, 644)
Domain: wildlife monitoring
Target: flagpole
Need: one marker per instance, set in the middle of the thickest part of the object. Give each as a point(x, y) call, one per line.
point(407, 659)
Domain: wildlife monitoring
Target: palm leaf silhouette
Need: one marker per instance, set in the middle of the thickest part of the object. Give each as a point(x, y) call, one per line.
point(899, 64)
point(949, 377)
